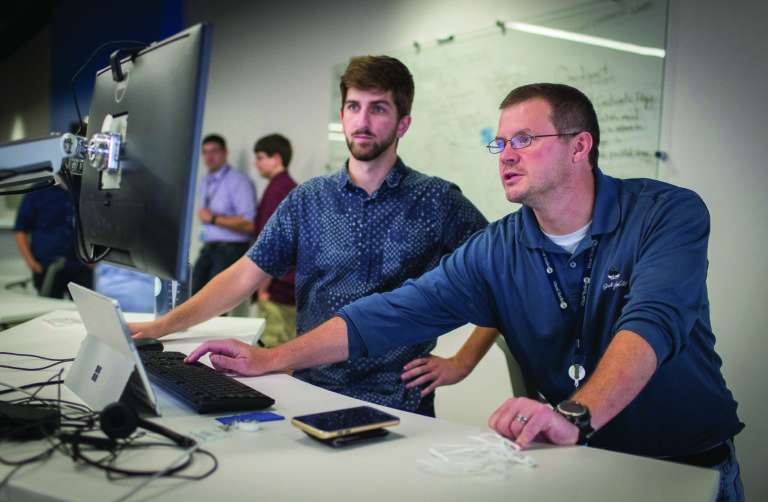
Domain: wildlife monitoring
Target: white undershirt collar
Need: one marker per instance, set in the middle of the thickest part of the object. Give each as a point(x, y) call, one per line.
point(571, 241)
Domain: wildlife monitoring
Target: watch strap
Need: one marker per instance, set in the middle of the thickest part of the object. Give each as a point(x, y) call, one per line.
point(581, 420)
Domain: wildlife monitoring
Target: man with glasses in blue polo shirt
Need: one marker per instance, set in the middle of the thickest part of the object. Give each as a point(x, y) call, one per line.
point(597, 284)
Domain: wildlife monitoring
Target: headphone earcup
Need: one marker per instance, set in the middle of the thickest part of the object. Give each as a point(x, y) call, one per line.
point(118, 420)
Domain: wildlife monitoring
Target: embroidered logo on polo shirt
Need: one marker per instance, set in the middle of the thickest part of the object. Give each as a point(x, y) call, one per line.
point(614, 279)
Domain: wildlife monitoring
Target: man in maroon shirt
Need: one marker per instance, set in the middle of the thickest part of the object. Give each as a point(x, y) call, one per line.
point(275, 298)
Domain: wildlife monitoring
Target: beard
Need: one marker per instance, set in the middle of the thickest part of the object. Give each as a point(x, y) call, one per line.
point(373, 149)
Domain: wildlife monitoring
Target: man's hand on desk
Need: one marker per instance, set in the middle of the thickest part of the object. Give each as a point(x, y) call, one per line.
point(232, 356)
point(524, 420)
point(434, 370)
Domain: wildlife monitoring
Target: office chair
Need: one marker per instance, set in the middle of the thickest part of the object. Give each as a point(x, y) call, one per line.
point(522, 384)
point(25, 285)
point(50, 275)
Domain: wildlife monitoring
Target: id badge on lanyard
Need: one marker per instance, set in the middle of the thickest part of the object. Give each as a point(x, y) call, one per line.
point(576, 370)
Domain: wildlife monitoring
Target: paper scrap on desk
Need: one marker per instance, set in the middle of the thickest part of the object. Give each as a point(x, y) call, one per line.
point(63, 322)
point(261, 416)
point(208, 434)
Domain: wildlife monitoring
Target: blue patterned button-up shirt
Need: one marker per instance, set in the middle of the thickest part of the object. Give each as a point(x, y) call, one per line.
point(347, 244)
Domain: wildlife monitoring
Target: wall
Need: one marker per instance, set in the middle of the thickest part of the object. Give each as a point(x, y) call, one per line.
point(713, 129)
point(271, 62)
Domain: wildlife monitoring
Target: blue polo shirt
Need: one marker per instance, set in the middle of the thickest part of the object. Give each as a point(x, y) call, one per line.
point(49, 218)
point(649, 277)
point(347, 244)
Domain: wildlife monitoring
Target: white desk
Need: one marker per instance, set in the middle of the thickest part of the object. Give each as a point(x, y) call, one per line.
point(16, 307)
point(280, 463)
point(19, 307)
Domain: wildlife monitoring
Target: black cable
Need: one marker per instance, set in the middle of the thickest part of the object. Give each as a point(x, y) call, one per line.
point(18, 464)
point(54, 378)
point(107, 463)
point(80, 247)
point(33, 188)
point(10, 173)
point(68, 444)
point(58, 403)
point(21, 354)
point(115, 474)
point(77, 74)
point(6, 366)
point(7, 477)
point(30, 385)
point(71, 444)
point(74, 419)
point(81, 250)
point(54, 363)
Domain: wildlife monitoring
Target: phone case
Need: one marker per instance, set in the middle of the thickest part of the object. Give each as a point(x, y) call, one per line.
point(344, 422)
point(351, 439)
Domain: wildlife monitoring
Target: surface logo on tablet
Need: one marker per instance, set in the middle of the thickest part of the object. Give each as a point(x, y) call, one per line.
point(96, 373)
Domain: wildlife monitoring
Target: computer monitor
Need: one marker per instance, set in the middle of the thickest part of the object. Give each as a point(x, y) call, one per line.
point(144, 132)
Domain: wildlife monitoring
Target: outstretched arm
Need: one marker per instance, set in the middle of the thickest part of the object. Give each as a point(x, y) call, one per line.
point(324, 345)
point(437, 371)
point(221, 294)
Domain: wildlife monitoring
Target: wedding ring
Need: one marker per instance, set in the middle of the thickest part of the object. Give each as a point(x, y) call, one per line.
point(523, 420)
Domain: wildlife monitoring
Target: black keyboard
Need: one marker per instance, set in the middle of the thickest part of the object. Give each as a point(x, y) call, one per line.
point(200, 386)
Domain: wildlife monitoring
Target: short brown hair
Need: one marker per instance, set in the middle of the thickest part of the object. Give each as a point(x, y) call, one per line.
point(275, 143)
point(215, 138)
point(572, 111)
point(383, 73)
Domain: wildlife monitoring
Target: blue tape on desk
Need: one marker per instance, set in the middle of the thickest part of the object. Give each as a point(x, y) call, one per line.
point(261, 416)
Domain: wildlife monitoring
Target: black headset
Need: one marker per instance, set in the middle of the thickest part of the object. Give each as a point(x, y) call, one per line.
point(118, 421)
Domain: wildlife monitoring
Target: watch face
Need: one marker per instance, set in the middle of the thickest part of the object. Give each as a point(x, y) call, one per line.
point(572, 407)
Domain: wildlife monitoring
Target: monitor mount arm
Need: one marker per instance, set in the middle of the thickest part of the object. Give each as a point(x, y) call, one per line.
point(28, 161)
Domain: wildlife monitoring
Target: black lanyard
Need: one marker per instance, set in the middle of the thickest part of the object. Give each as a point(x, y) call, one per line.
point(210, 195)
point(576, 370)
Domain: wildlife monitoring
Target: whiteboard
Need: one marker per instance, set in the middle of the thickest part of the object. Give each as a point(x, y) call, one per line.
point(461, 83)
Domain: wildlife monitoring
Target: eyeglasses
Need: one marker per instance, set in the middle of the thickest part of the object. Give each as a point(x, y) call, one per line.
point(520, 141)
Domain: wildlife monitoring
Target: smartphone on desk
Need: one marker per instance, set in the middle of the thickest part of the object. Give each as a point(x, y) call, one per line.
point(338, 423)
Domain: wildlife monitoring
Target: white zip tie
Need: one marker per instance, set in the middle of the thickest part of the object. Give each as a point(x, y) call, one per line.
point(487, 456)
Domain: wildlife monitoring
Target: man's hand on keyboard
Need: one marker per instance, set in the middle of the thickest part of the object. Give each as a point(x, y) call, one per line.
point(233, 355)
